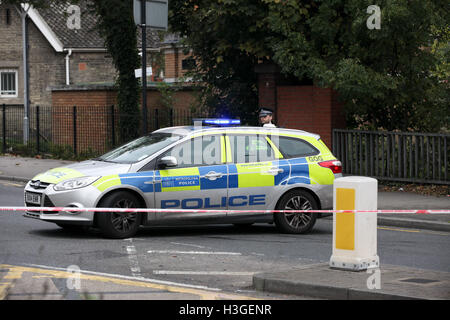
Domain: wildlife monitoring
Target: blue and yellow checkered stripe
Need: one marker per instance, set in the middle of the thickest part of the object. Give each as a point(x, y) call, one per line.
point(245, 175)
point(305, 170)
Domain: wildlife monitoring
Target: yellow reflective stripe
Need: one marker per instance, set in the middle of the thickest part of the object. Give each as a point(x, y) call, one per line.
point(278, 154)
point(228, 147)
point(254, 175)
point(318, 174)
point(222, 149)
point(107, 182)
point(180, 172)
point(345, 221)
point(58, 174)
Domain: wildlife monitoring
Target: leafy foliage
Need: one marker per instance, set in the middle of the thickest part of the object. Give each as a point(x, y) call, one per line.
point(212, 30)
point(389, 78)
point(117, 25)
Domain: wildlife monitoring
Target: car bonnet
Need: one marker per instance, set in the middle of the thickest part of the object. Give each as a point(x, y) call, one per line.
point(82, 169)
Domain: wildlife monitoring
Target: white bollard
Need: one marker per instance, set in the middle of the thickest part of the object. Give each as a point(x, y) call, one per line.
point(355, 234)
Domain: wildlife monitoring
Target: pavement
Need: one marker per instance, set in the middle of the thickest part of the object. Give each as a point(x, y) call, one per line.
point(321, 281)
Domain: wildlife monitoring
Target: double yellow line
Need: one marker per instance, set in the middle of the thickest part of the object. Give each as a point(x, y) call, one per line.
point(15, 273)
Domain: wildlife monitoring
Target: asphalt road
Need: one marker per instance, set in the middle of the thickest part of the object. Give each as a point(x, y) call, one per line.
point(219, 257)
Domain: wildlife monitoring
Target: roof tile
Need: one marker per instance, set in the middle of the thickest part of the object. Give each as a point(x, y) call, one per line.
point(88, 36)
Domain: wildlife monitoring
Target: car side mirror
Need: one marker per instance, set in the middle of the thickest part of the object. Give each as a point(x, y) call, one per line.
point(167, 162)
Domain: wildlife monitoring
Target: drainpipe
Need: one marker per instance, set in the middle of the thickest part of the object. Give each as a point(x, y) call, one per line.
point(23, 12)
point(67, 58)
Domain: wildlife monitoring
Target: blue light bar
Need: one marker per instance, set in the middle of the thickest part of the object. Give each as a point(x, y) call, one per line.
point(219, 121)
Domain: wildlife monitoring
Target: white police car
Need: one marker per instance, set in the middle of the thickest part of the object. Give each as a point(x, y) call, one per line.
point(214, 167)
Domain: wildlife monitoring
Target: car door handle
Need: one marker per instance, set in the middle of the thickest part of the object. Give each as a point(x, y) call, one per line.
point(274, 171)
point(213, 175)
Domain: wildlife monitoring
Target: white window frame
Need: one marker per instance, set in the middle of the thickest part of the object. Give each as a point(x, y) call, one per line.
point(16, 76)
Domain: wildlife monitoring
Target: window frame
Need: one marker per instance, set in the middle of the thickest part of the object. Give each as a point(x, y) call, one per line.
point(188, 63)
point(285, 156)
point(191, 140)
point(16, 78)
point(263, 137)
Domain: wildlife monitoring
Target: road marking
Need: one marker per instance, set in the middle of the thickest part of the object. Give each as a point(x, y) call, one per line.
point(195, 252)
point(8, 281)
point(395, 229)
point(204, 273)
point(205, 293)
point(417, 231)
point(133, 259)
point(10, 184)
point(189, 245)
point(13, 275)
point(4, 288)
point(54, 270)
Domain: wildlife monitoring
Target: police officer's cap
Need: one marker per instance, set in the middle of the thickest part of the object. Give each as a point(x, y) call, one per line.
point(265, 112)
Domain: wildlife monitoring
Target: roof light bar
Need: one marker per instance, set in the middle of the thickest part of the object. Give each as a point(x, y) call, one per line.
point(218, 121)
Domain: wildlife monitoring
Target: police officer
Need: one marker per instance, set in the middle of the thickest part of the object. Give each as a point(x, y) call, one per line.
point(265, 117)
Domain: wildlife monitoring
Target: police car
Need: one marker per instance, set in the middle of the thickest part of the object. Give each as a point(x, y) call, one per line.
point(218, 165)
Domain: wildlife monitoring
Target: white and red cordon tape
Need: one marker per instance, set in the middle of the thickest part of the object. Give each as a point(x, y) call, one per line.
point(145, 210)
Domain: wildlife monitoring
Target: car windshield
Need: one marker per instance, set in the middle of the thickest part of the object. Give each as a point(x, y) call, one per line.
point(140, 149)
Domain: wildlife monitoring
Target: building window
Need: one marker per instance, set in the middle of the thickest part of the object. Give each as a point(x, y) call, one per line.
point(188, 64)
point(8, 83)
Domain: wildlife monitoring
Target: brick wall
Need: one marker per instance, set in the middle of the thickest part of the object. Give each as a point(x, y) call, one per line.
point(310, 108)
point(91, 129)
point(173, 63)
point(267, 90)
point(104, 95)
point(94, 122)
point(91, 67)
point(83, 97)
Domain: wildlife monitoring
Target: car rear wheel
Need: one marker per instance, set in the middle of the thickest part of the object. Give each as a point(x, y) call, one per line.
point(296, 222)
point(119, 225)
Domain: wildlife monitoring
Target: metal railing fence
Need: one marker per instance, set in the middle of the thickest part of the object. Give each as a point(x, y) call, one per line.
point(394, 156)
point(76, 130)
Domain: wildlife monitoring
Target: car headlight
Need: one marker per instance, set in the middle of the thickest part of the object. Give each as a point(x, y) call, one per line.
point(75, 183)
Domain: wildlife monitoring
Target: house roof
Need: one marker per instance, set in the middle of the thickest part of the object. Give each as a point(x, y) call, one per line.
point(52, 22)
point(86, 37)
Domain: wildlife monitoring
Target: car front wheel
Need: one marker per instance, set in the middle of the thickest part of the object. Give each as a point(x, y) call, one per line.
point(296, 222)
point(119, 225)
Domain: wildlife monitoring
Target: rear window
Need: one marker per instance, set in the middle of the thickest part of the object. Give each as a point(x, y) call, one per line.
point(294, 147)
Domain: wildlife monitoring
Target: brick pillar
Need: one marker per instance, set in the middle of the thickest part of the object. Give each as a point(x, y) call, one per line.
point(310, 108)
point(268, 75)
point(303, 107)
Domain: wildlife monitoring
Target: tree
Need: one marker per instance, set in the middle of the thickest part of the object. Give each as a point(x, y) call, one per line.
point(116, 25)
point(225, 70)
point(386, 76)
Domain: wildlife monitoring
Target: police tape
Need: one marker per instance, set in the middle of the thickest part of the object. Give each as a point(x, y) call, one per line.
point(155, 210)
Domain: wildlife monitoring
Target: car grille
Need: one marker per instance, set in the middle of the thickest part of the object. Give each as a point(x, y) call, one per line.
point(39, 185)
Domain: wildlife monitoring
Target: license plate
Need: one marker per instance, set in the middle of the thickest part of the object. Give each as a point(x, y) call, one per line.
point(33, 198)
